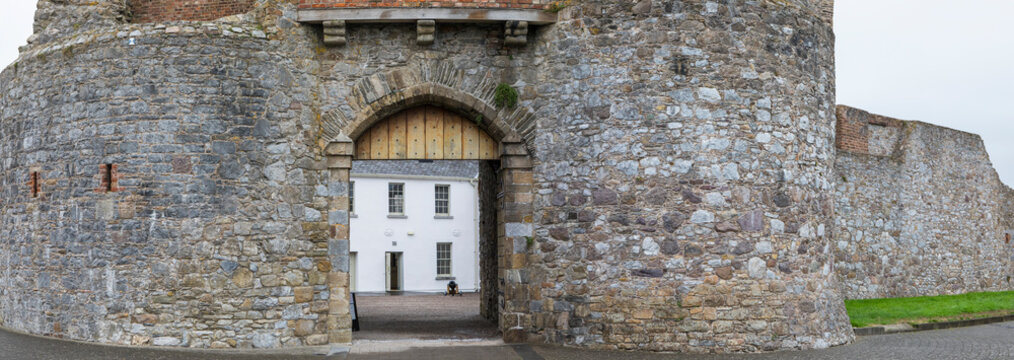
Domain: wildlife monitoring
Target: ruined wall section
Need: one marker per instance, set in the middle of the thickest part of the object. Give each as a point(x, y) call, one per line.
point(61, 18)
point(684, 163)
point(1008, 213)
point(214, 233)
point(921, 212)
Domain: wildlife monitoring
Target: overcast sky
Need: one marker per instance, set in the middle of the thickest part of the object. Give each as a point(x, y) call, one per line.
point(939, 61)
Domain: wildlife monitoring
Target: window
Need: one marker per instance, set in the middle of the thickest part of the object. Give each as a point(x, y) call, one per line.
point(108, 178)
point(35, 184)
point(352, 197)
point(442, 194)
point(396, 198)
point(443, 259)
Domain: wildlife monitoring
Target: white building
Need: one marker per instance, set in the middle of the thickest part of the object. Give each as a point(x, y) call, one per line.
point(414, 225)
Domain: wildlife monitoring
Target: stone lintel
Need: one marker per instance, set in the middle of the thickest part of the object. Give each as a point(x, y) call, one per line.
point(409, 15)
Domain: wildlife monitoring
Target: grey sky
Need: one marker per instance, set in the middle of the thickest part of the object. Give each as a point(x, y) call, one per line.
point(944, 62)
point(939, 61)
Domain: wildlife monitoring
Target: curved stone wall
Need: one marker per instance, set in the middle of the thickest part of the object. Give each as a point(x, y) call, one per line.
point(685, 154)
point(212, 233)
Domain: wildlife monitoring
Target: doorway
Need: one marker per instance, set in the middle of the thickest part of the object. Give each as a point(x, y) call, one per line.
point(416, 157)
point(393, 271)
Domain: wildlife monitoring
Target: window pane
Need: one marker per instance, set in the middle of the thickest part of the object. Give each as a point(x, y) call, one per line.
point(444, 259)
point(396, 198)
point(442, 196)
point(352, 197)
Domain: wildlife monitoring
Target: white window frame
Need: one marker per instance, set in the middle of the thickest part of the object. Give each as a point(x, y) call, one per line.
point(395, 199)
point(437, 200)
point(450, 255)
point(352, 197)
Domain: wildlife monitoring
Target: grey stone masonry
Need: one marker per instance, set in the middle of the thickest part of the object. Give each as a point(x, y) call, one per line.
point(667, 181)
point(923, 213)
point(213, 236)
point(684, 163)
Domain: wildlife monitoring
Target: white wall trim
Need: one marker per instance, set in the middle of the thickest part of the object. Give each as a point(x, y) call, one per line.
point(413, 177)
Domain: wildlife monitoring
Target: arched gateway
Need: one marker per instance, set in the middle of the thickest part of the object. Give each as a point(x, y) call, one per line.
point(433, 132)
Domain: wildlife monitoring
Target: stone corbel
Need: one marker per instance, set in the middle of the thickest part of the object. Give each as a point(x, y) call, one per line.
point(425, 29)
point(516, 33)
point(334, 33)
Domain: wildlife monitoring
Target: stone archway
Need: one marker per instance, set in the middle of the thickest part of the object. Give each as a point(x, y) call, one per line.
point(380, 96)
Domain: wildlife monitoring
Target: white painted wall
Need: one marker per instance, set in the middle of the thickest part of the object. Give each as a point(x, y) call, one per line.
point(373, 234)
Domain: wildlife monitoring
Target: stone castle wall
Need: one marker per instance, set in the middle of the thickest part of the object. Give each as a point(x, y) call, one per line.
point(212, 235)
point(684, 160)
point(920, 211)
point(681, 151)
point(165, 184)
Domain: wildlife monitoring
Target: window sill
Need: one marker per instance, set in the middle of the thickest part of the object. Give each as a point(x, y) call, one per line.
point(445, 278)
point(353, 216)
point(443, 217)
point(397, 217)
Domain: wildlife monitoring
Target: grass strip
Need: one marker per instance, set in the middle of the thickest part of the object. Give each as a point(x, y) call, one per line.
point(924, 309)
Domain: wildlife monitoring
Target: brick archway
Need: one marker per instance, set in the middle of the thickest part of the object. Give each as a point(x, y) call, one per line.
point(515, 227)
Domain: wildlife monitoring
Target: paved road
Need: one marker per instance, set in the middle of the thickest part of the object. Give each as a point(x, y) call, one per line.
point(994, 341)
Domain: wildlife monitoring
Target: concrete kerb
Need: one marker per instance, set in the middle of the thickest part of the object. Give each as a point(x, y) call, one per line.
point(901, 328)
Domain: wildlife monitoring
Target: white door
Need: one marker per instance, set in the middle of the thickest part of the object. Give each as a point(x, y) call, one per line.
point(352, 272)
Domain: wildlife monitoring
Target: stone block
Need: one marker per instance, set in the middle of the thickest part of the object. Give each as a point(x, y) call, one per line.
point(425, 30)
point(303, 327)
point(317, 339)
point(243, 278)
point(303, 294)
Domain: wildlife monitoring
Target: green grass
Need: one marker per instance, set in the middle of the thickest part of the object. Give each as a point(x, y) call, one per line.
point(929, 308)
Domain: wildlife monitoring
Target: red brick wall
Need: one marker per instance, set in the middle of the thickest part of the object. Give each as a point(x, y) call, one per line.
point(146, 11)
point(505, 4)
point(851, 133)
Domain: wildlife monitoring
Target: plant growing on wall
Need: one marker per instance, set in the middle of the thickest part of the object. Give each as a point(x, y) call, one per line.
point(556, 6)
point(505, 96)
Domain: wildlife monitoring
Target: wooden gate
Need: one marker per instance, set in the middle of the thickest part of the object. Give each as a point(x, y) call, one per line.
point(426, 132)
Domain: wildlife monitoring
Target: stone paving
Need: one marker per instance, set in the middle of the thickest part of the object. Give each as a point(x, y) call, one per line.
point(979, 342)
point(421, 316)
